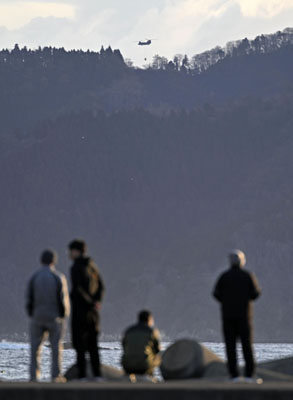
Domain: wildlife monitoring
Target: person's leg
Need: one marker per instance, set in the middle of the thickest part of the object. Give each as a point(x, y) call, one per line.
point(153, 362)
point(93, 351)
point(81, 362)
point(246, 341)
point(125, 365)
point(56, 333)
point(230, 336)
point(37, 333)
point(78, 340)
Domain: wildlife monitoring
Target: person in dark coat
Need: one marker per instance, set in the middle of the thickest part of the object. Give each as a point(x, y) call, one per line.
point(141, 346)
point(86, 297)
point(235, 290)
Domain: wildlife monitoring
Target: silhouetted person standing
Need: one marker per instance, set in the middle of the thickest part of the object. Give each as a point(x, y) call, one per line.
point(141, 345)
point(235, 290)
point(47, 303)
point(86, 297)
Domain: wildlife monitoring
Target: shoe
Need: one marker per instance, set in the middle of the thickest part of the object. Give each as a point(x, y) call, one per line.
point(249, 379)
point(99, 379)
point(153, 379)
point(59, 379)
point(83, 379)
point(237, 379)
point(132, 378)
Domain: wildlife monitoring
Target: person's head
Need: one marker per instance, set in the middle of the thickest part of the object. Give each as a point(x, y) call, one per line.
point(77, 248)
point(49, 257)
point(237, 258)
point(146, 317)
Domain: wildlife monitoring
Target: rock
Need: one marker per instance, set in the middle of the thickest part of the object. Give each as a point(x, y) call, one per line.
point(109, 373)
point(283, 365)
point(216, 369)
point(272, 376)
point(186, 359)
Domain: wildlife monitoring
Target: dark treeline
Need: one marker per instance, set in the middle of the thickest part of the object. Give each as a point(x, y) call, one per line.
point(44, 83)
point(201, 62)
point(160, 199)
point(40, 83)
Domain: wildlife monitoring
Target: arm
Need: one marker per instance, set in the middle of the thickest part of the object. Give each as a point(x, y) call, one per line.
point(255, 290)
point(64, 297)
point(101, 290)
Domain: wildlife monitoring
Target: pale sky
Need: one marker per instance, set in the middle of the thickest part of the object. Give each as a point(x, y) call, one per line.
point(179, 26)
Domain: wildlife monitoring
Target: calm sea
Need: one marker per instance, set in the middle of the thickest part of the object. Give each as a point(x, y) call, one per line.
point(14, 357)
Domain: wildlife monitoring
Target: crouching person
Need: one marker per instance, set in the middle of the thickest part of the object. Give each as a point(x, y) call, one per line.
point(141, 346)
point(47, 304)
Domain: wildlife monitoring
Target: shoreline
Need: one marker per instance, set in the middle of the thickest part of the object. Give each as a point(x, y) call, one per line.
point(26, 341)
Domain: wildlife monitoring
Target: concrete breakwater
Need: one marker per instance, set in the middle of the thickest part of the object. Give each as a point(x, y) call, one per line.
point(182, 390)
point(187, 359)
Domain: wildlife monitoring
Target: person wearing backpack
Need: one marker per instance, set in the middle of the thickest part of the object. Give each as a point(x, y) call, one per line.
point(86, 296)
point(47, 304)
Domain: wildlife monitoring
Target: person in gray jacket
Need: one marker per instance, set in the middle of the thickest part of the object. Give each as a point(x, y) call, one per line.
point(47, 304)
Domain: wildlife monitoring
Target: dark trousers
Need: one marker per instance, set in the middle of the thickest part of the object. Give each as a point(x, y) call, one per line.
point(238, 329)
point(85, 339)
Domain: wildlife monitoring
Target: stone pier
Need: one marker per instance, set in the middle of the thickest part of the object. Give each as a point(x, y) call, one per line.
point(173, 390)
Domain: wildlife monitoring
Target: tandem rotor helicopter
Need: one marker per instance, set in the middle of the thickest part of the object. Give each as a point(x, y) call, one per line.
point(145, 42)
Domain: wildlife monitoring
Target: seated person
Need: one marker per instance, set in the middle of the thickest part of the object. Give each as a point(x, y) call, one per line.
point(141, 346)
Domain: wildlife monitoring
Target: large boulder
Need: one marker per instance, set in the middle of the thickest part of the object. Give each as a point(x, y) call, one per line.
point(186, 359)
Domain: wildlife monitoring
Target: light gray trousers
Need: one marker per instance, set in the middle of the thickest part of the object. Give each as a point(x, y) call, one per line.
point(38, 332)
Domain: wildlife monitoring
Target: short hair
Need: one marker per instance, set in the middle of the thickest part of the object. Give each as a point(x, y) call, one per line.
point(144, 315)
point(48, 257)
point(237, 258)
point(78, 244)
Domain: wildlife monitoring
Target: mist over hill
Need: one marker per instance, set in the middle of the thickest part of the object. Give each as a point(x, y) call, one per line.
point(162, 170)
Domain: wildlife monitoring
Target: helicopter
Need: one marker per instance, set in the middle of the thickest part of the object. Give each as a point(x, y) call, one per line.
point(145, 42)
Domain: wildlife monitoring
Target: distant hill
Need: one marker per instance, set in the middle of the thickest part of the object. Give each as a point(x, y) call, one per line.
point(162, 171)
point(262, 44)
point(43, 83)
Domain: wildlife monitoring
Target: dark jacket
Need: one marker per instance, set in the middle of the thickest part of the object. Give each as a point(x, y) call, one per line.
point(87, 289)
point(235, 290)
point(140, 345)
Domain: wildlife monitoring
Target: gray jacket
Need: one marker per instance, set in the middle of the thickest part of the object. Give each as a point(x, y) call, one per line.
point(47, 295)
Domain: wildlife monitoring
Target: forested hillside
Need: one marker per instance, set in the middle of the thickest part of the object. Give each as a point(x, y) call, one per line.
point(43, 83)
point(161, 170)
